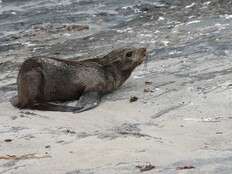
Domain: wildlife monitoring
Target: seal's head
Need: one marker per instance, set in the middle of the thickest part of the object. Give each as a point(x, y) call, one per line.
point(121, 62)
point(126, 58)
point(133, 56)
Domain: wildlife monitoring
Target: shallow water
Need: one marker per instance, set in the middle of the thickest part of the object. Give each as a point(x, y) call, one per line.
point(169, 29)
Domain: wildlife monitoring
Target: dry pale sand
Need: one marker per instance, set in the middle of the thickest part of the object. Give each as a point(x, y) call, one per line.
point(181, 122)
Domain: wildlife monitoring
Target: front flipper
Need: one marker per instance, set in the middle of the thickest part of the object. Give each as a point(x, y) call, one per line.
point(87, 101)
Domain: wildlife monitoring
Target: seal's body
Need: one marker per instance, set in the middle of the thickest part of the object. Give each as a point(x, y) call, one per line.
point(43, 80)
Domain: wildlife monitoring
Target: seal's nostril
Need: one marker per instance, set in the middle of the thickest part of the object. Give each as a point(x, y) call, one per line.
point(144, 51)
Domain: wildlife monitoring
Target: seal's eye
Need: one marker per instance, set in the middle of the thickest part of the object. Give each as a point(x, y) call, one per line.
point(129, 54)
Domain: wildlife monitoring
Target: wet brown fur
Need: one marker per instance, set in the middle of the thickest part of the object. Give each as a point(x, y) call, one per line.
point(42, 79)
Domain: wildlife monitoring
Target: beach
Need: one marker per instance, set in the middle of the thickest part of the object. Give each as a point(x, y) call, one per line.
point(181, 120)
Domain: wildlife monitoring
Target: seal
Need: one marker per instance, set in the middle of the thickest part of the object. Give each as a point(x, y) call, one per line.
point(44, 82)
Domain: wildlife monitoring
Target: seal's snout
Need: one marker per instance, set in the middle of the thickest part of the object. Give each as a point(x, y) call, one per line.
point(142, 52)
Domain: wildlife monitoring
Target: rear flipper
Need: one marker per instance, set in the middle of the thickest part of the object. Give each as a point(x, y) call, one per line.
point(54, 107)
point(87, 101)
point(66, 107)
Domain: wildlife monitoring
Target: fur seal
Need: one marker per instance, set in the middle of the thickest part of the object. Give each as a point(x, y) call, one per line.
point(43, 81)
